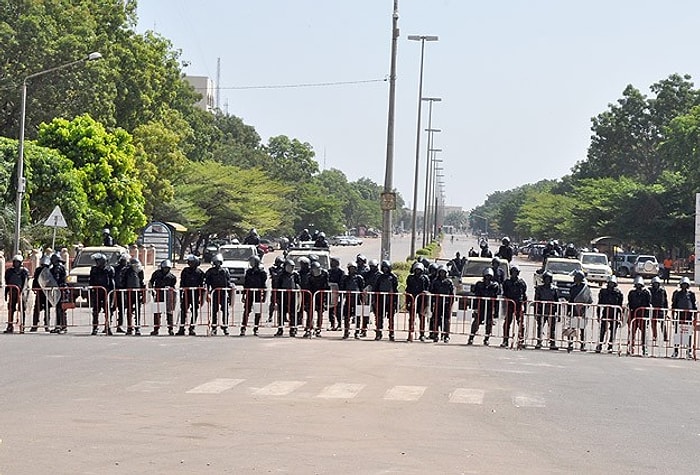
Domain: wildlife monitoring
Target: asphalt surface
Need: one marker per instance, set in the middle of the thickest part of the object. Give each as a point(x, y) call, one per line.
point(80, 404)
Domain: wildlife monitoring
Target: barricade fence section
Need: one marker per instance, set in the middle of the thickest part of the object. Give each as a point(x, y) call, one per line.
point(663, 332)
point(16, 299)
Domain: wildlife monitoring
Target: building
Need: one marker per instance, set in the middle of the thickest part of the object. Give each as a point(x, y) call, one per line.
point(204, 86)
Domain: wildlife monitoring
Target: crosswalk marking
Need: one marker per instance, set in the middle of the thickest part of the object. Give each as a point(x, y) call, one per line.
point(467, 396)
point(341, 391)
point(521, 400)
point(215, 386)
point(279, 388)
point(148, 386)
point(405, 393)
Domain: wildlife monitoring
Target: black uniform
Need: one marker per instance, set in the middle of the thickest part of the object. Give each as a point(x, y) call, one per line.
point(319, 285)
point(335, 276)
point(442, 290)
point(274, 272)
point(134, 283)
point(352, 284)
point(515, 291)
point(386, 301)
point(659, 302)
point(486, 307)
point(58, 272)
point(254, 288)
point(41, 303)
point(547, 312)
point(609, 317)
point(118, 300)
point(15, 280)
point(164, 284)
point(576, 310)
point(288, 285)
point(485, 252)
point(370, 277)
point(417, 285)
point(682, 302)
point(321, 242)
point(505, 252)
point(191, 295)
point(101, 277)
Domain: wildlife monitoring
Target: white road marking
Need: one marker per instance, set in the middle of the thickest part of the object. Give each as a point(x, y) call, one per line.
point(405, 393)
point(528, 401)
point(279, 388)
point(148, 386)
point(215, 386)
point(467, 396)
point(341, 391)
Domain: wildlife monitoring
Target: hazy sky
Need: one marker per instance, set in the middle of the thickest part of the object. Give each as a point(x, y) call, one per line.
point(519, 80)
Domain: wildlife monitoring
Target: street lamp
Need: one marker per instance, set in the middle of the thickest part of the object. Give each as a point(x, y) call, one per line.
point(429, 190)
point(388, 196)
point(422, 39)
point(21, 182)
point(430, 132)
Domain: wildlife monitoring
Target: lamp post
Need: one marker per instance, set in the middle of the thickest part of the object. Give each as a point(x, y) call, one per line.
point(388, 197)
point(430, 132)
point(422, 39)
point(20, 159)
point(437, 182)
point(430, 190)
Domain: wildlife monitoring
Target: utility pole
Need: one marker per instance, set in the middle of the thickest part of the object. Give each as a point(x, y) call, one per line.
point(388, 201)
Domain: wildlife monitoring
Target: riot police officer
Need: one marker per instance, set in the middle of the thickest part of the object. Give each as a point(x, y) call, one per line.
point(352, 285)
point(41, 303)
point(274, 272)
point(515, 291)
point(485, 251)
point(304, 236)
point(417, 286)
point(443, 290)
point(118, 300)
point(305, 287)
point(386, 288)
point(102, 283)
point(16, 278)
point(579, 296)
point(505, 251)
point(252, 238)
point(609, 312)
point(254, 288)
point(684, 305)
point(638, 300)
point(321, 241)
point(319, 286)
point(361, 266)
point(335, 277)
point(487, 289)
point(58, 273)
point(547, 310)
point(659, 304)
point(107, 239)
point(288, 285)
point(191, 293)
point(134, 285)
point(163, 283)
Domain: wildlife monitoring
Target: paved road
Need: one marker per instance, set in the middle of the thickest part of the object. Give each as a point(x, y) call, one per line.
point(243, 405)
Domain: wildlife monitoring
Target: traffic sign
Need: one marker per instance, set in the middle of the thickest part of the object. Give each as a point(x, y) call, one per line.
point(56, 219)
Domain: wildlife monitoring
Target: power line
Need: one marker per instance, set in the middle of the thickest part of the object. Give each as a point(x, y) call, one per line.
point(290, 86)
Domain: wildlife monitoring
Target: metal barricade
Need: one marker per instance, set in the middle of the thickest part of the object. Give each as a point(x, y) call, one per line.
point(540, 316)
point(194, 310)
point(289, 308)
point(132, 303)
point(16, 299)
point(163, 301)
point(470, 313)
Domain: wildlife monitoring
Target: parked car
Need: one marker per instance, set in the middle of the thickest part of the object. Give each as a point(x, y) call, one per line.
point(266, 246)
point(340, 241)
point(236, 260)
point(623, 264)
point(596, 267)
point(562, 270)
point(79, 275)
point(646, 266)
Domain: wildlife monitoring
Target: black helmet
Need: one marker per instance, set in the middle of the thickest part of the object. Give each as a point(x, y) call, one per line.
point(373, 263)
point(505, 241)
point(386, 266)
point(56, 258)
point(335, 260)
point(432, 268)
point(361, 258)
point(166, 264)
point(547, 275)
point(192, 260)
point(98, 257)
point(217, 259)
point(304, 261)
point(123, 258)
point(578, 275)
point(279, 260)
point(254, 261)
point(316, 268)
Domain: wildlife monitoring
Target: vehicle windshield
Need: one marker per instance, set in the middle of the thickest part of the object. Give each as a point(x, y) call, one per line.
point(563, 267)
point(236, 253)
point(85, 259)
point(601, 259)
point(476, 268)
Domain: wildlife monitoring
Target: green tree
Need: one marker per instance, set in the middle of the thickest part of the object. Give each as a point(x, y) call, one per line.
point(107, 163)
point(290, 161)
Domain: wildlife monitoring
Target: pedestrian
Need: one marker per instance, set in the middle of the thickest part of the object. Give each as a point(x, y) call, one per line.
point(191, 293)
point(335, 277)
point(218, 283)
point(58, 281)
point(638, 301)
point(134, 287)
point(547, 310)
point(668, 267)
point(442, 290)
point(16, 280)
point(319, 286)
point(163, 283)
point(418, 288)
point(505, 251)
point(101, 283)
point(579, 297)
point(352, 286)
point(254, 292)
point(41, 303)
point(684, 307)
point(609, 313)
point(515, 293)
point(485, 292)
point(118, 296)
point(386, 293)
point(659, 304)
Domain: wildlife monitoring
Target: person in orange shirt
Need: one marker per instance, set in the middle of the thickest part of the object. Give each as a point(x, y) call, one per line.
point(668, 265)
